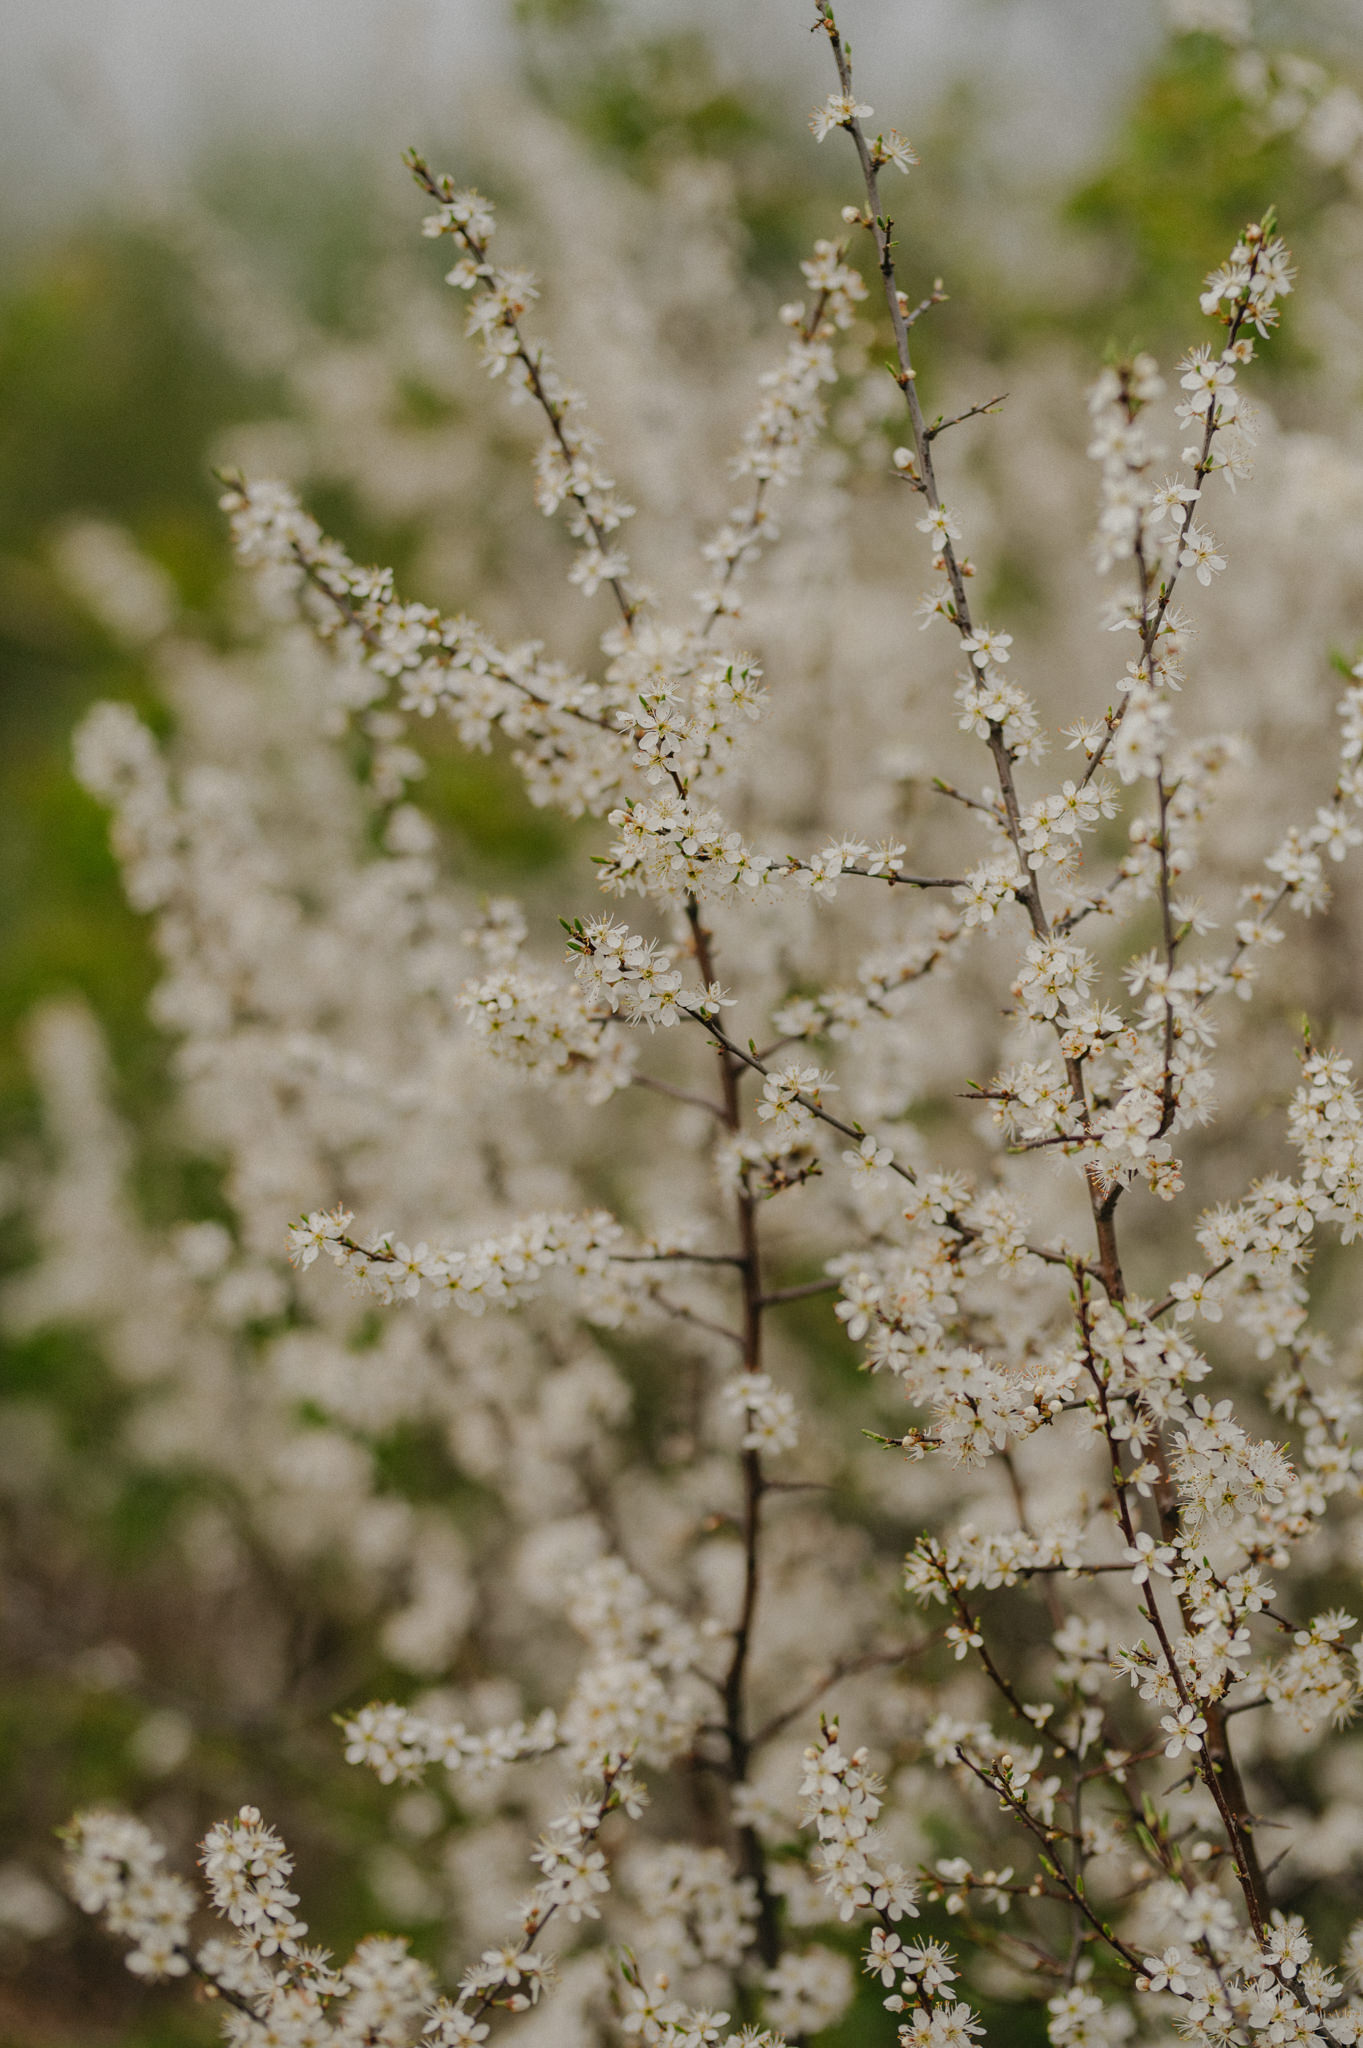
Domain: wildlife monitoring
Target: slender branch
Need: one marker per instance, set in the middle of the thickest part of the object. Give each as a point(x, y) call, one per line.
point(1152, 620)
point(658, 1087)
point(680, 1257)
point(531, 362)
point(856, 1133)
point(753, 521)
point(846, 1667)
point(881, 228)
point(1215, 1763)
point(972, 803)
point(972, 412)
point(753, 1855)
point(803, 1292)
point(1051, 1863)
point(683, 1314)
point(317, 578)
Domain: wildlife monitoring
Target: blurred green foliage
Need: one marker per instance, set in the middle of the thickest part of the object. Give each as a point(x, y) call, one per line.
point(110, 391)
point(644, 102)
point(1188, 168)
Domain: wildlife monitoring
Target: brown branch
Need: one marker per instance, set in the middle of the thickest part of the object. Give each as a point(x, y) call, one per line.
point(1050, 1862)
point(804, 1292)
point(972, 412)
point(752, 1854)
point(678, 1094)
point(530, 360)
point(498, 671)
point(683, 1314)
point(848, 1667)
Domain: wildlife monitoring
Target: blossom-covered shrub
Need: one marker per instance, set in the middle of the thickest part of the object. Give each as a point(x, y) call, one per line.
point(953, 1065)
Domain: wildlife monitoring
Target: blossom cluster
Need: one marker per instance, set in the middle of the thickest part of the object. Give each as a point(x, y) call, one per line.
point(501, 1269)
point(114, 1869)
point(568, 467)
point(1064, 1396)
point(265, 1978)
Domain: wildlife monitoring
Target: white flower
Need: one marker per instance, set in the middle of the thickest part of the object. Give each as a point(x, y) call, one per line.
point(1199, 552)
point(839, 110)
point(1185, 1730)
point(1148, 1556)
point(940, 524)
point(869, 1160)
point(982, 645)
point(892, 148)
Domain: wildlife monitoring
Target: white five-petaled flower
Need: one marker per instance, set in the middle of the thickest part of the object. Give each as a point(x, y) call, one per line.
point(940, 524)
point(893, 148)
point(1199, 553)
point(839, 110)
point(885, 1957)
point(1185, 1730)
point(1148, 1556)
point(869, 1159)
point(984, 646)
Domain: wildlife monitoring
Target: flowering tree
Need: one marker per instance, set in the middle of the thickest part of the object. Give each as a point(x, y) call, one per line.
point(736, 1068)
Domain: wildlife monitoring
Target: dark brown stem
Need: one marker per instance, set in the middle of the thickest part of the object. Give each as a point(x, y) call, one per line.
point(738, 1738)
